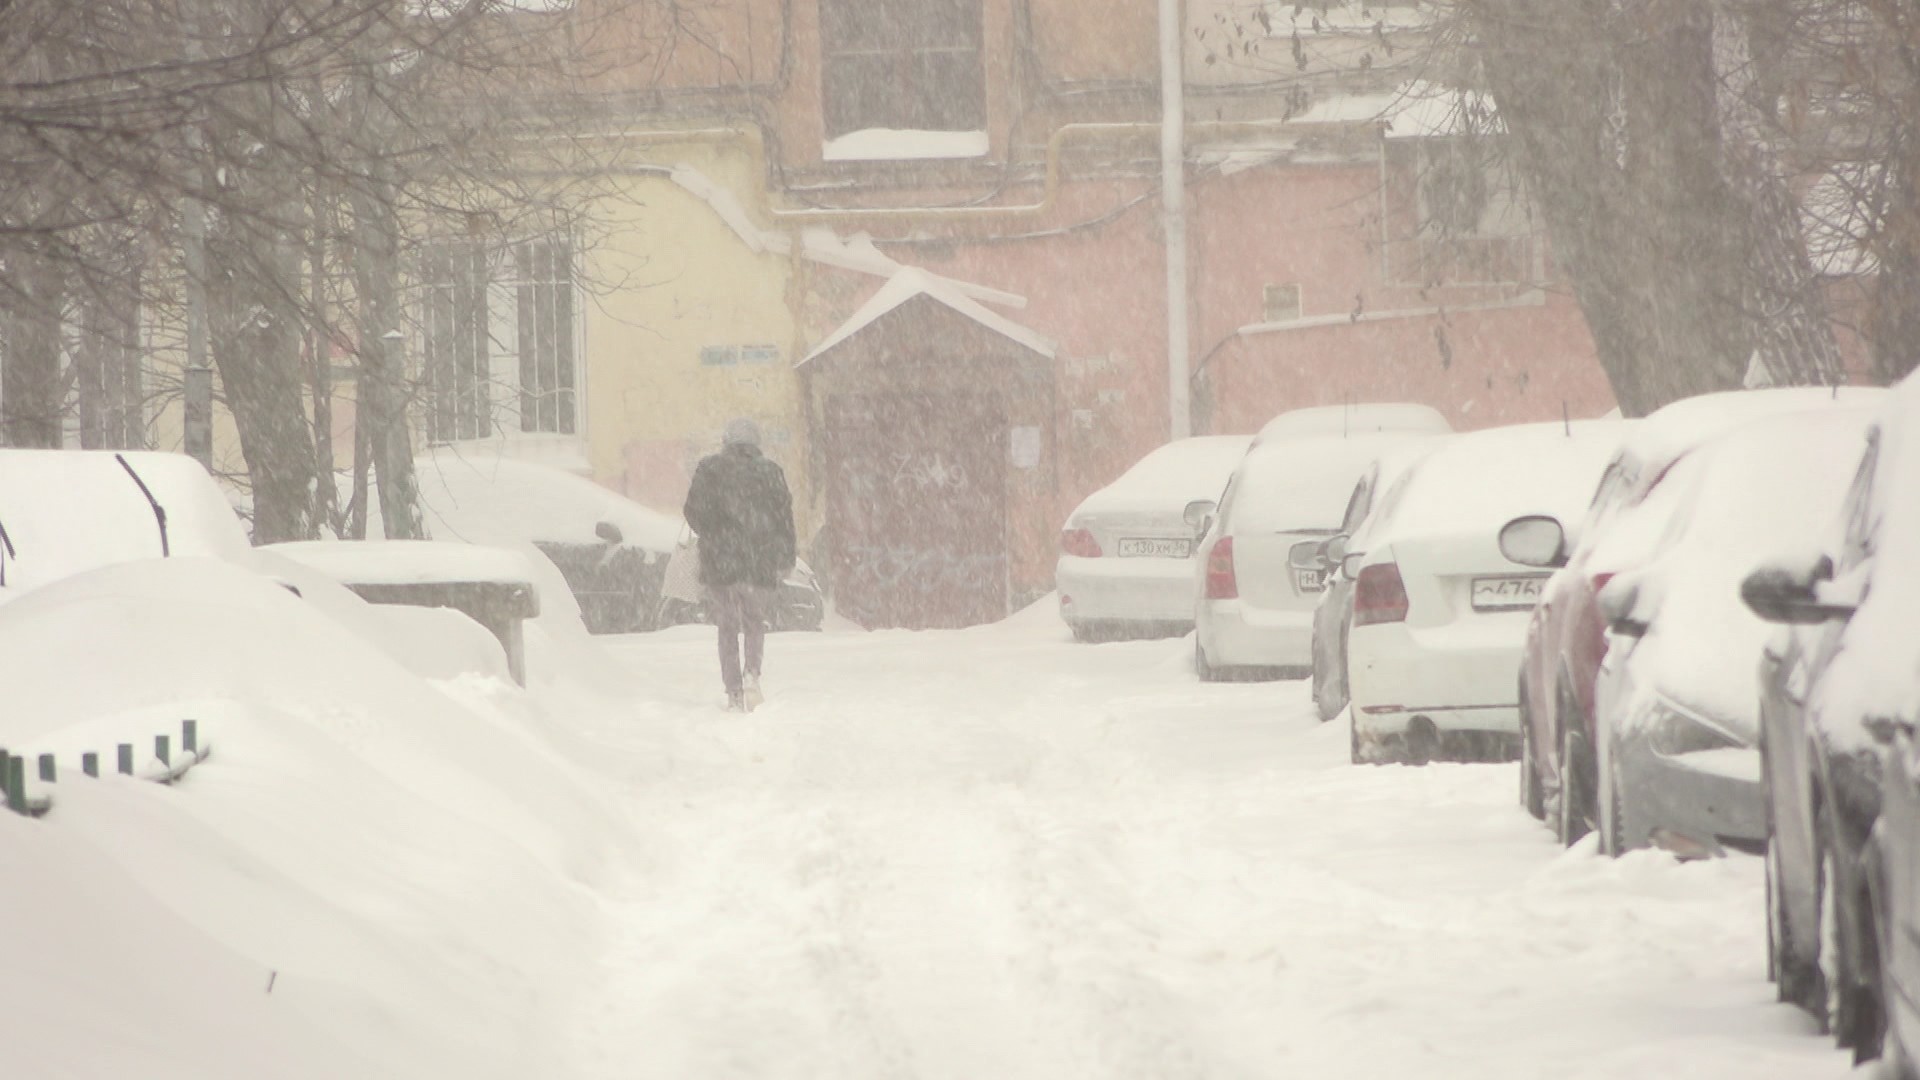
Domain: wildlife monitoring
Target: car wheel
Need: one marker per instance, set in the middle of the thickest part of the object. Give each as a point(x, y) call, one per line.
point(1531, 797)
point(1201, 665)
point(1576, 788)
point(1845, 1009)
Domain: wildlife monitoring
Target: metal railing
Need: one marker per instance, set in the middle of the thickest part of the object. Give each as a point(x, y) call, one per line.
point(33, 794)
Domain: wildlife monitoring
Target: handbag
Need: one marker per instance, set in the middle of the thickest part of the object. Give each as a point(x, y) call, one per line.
point(682, 579)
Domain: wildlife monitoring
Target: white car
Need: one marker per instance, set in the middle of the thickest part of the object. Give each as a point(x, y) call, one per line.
point(1439, 614)
point(1357, 418)
point(1677, 711)
point(1253, 607)
point(1126, 553)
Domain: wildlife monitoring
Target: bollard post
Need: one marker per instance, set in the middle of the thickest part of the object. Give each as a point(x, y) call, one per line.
point(3, 774)
point(126, 759)
point(17, 784)
point(161, 751)
point(90, 763)
point(47, 768)
point(190, 736)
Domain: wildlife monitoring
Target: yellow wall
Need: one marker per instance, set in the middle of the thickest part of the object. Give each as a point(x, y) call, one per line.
point(667, 279)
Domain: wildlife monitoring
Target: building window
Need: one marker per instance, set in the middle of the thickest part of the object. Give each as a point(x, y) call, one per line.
point(544, 308)
point(912, 65)
point(1282, 303)
point(456, 359)
point(1455, 214)
point(497, 339)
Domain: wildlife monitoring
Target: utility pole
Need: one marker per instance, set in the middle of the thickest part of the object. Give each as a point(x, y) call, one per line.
point(1173, 203)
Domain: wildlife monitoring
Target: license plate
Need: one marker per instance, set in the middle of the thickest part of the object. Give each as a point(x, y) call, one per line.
point(1309, 581)
point(1516, 593)
point(1156, 548)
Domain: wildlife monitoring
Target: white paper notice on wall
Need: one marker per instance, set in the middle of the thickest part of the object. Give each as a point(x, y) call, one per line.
point(1025, 447)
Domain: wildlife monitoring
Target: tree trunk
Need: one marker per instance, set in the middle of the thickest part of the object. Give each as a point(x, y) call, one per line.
point(1781, 299)
point(256, 333)
point(383, 397)
point(32, 396)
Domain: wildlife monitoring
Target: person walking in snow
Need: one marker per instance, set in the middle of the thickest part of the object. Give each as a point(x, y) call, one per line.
point(740, 508)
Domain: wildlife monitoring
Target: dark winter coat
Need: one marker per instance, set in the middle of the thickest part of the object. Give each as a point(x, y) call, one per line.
point(740, 508)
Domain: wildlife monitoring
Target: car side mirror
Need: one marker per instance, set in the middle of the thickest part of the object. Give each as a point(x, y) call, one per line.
point(608, 531)
point(1199, 515)
point(1535, 540)
point(1784, 593)
point(1618, 604)
point(1334, 550)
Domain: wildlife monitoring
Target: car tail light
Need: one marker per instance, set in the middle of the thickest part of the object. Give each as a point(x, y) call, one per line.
point(1221, 583)
point(1080, 543)
point(1379, 595)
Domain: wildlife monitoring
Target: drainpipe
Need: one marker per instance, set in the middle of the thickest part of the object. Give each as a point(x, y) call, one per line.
point(1173, 202)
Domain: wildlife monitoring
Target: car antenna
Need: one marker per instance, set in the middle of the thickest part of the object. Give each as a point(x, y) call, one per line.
point(1566, 418)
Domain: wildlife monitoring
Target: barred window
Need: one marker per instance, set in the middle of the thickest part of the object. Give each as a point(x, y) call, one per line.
point(543, 301)
point(497, 329)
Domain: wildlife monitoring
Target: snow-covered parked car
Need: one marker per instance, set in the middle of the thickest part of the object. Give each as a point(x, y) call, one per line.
point(1839, 693)
point(1354, 418)
point(1676, 713)
point(67, 511)
point(612, 551)
point(1126, 553)
point(1439, 613)
point(1333, 616)
point(1253, 600)
point(1566, 637)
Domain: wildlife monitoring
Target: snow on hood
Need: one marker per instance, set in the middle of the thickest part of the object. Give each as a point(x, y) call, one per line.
point(1169, 478)
point(403, 864)
point(67, 511)
point(1877, 670)
point(1776, 484)
point(1474, 483)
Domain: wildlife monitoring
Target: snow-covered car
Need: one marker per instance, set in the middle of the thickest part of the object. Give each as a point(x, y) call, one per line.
point(67, 511)
point(1334, 615)
point(1839, 686)
point(1439, 613)
point(1126, 553)
point(1356, 418)
point(1566, 634)
point(1253, 599)
point(612, 551)
point(1676, 716)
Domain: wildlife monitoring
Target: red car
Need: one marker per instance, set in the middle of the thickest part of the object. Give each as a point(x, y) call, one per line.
point(1566, 637)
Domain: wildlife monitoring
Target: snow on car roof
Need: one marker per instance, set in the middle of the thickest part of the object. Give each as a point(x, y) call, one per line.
point(1771, 485)
point(1877, 671)
point(66, 511)
point(483, 498)
point(1480, 480)
point(1169, 478)
point(1305, 483)
point(1354, 419)
point(1671, 431)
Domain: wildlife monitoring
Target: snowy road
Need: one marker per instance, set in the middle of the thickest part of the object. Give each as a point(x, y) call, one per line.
point(993, 853)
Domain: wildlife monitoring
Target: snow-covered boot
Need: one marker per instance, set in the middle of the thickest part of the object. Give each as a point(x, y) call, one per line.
point(754, 698)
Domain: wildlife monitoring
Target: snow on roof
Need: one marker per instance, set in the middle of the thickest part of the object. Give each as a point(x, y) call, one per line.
point(66, 511)
point(911, 282)
point(891, 144)
point(1479, 480)
point(818, 243)
point(1355, 418)
point(1417, 109)
point(1770, 486)
point(408, 562)
point(1305, 482)
point(1169, 478)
